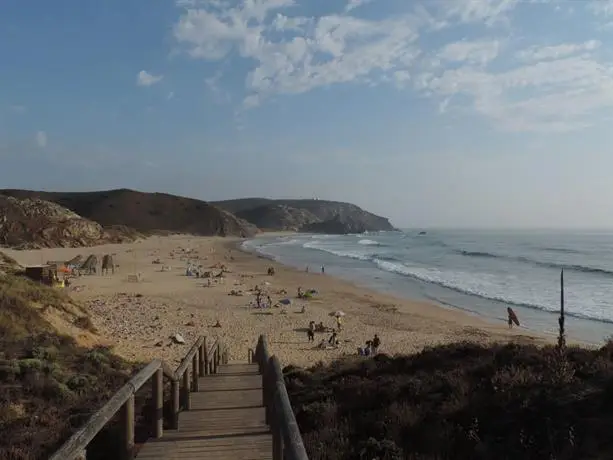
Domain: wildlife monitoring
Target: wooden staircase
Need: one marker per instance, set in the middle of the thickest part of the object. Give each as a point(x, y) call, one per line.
point(226, 420)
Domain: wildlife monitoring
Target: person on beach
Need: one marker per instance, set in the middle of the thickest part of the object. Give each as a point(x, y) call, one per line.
point(311, 334)
point(339, 323)
point(300, 293)
point(376, 342)
point(333, 340)
point(367, 348)
point(269, 300)
point(323, 270)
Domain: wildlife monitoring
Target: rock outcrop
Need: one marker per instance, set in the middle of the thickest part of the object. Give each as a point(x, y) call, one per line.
point(337, 226)
point(147, 212)
point(306, 215)
point(278, 217)
point(8, 265)
point(35, 223)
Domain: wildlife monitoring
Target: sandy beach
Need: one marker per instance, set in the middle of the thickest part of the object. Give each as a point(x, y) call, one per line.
point(139, 318)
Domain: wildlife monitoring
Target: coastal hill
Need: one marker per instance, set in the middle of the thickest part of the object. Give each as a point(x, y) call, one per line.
point(51, 377)
point(35, 223)
point(146, 212)
point(317, 216)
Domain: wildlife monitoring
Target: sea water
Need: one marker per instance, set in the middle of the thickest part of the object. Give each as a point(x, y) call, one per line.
point(481, 272)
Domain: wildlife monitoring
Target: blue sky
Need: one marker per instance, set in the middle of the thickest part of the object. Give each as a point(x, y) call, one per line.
point(455, 113)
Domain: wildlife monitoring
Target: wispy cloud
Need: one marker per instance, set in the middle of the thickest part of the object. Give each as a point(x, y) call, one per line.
point(20, 109)
point(41, 139)
point(353, 4)
point(536, 53)
point(551, 87)
point(144, 78)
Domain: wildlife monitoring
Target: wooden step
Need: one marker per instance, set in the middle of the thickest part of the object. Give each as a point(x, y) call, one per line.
point(226, 421)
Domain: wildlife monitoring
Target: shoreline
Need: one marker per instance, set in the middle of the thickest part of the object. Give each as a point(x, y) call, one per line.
point(138, 318)
point(543, 323)
point(463, 317)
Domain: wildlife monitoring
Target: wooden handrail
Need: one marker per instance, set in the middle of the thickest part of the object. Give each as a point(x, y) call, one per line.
point(202, 361)
point(287, 440)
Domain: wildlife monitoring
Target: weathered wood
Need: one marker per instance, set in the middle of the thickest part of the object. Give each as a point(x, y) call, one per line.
point(206, 361)
point(127, 429)
point(226, 421)
point(195, 373)
point(185, 390)
point(201, 349)
point(188, 357)
point(293, 446)
point(168, 372)
point(79, 441)
point(158, 403)
point(176, 403)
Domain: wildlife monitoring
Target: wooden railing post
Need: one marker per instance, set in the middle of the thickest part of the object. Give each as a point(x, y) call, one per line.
point(127, 419)
point(201, 358)
point(176, 404)
point(277, 434)
point(195, 372)
point(186, 398)
point(158, 403)
point(267, 385)
point(207, 363)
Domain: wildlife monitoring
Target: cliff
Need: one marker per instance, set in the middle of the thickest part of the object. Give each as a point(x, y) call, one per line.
point(337, 226)
point(146, 212)
point(306, 215)
point(35, 223)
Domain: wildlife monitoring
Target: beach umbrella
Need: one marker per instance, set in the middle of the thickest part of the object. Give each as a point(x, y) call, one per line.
point(337, 314)
point(285, 301)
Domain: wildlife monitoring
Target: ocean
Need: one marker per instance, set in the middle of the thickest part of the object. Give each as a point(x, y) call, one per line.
point(480, 272)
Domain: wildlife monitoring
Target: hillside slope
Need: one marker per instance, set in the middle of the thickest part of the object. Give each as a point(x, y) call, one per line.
point(35, 223)
point(146, 212)
point(303, 214)
point(49, 384)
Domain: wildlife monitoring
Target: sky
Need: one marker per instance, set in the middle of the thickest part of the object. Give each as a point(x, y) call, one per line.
point(450, 113)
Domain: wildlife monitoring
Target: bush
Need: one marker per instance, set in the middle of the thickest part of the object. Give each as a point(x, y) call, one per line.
point(460, 401)
point(49, 385)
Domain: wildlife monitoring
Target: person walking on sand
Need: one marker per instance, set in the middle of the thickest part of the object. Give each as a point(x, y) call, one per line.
point(323, 269)
point(376, 342)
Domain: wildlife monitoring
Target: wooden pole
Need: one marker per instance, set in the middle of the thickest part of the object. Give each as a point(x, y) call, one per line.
point(158, 403)
point(127, 416)
point(562, 337)
point(186, 398)
point(175, 390)
point(207, 364)
point(195, 372)
point(201, 364)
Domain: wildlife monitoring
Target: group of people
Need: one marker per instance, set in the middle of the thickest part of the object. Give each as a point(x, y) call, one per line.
point(371, 348)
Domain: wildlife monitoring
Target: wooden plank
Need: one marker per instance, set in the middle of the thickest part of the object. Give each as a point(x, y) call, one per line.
point(226, 421)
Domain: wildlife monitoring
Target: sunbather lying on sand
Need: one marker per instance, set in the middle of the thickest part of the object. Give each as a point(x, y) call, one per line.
point(321, 328)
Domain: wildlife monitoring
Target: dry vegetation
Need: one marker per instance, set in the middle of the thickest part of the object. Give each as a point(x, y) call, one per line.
point(49, 385)
point(459, 401)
